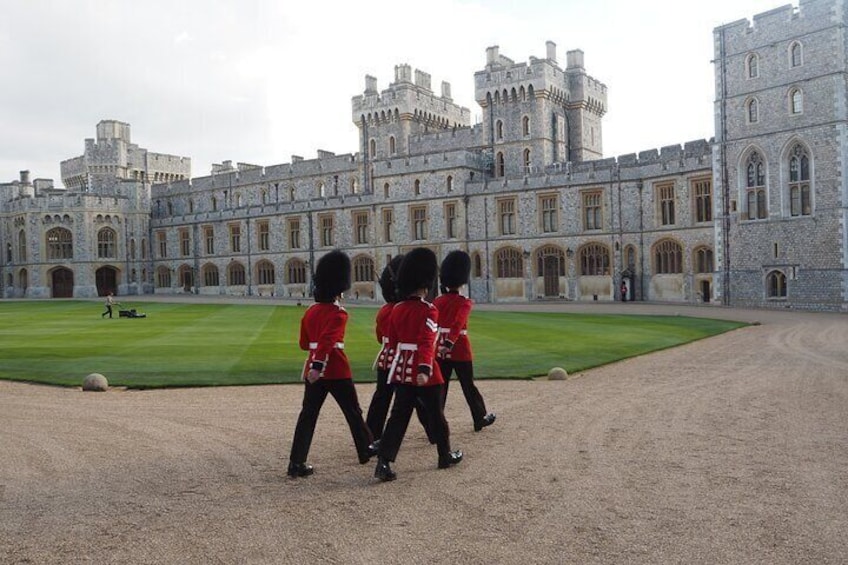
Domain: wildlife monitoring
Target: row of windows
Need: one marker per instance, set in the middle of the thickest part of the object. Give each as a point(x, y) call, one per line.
point(238, 201)
point(60, 245)
point(794, 101)
point(593, 259)
point(795, 58)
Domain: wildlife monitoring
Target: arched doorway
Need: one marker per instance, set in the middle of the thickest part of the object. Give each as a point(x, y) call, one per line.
point(186, 278)
point(107, 281)
point(62, 283)
point(705, 291)
point(550, 265)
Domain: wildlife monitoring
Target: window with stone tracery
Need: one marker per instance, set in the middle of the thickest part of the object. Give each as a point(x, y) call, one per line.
point(755, 187)
point(799, 182)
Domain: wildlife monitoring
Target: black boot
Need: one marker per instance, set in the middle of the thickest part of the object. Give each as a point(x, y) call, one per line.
point(384, 471)
point(487, 420)
point(300, 470)
point(370, 452)
point(453, 458)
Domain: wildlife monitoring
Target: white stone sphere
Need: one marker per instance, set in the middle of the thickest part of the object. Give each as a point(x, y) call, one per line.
point(95, 382)
point(557, 374)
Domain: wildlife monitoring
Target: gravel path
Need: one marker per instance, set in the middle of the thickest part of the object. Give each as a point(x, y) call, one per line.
point(729, 450)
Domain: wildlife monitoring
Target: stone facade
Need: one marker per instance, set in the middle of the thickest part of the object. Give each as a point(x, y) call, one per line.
point(526, 192)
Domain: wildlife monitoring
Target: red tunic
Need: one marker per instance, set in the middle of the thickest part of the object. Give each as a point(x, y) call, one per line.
point(384, 358)
point(454, 310)
point(412, 336)
point(322, 331)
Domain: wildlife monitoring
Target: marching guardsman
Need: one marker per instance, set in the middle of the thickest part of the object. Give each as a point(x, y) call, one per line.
point(382, 398)
point(327, 370)
point(454, 348)
point(414, 372)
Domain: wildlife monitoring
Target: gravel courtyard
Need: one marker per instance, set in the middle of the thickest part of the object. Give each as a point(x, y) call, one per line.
point(733, 449)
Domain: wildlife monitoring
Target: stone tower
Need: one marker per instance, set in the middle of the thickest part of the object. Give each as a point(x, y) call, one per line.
point(536, 114)
point(779, 157)
point(387, 119)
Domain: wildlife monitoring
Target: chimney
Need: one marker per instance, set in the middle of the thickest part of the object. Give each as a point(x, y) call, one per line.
point(551, 51)
point(575, 59)
point(492, 54)
point(24, 177)
point(446, 90)
point(370, 84)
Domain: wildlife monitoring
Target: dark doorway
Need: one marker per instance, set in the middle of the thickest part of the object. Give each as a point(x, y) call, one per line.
point(107, 281)
point(62, 283)
point(186, 279)
point(705, 291)
point(550, 268)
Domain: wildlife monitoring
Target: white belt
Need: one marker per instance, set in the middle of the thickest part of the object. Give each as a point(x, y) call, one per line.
point(337, 345)
point(407, 347)
point(385, 340)
point(447, 331)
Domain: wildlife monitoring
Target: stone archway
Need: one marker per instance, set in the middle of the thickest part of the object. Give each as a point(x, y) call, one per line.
point(106, 279)
point(62, 283)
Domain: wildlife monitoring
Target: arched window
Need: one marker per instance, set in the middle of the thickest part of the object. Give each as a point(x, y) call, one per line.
point(510, 263)
point(630, 257)
point(163, 277)
point(144, 248)
point(499, 134)
point(322, 190)
point(594, 260)
point(22, 246)
point(703, 260)
point(499, 165)
point(796, 101)
point(392, 147)
point(372, 148)
point(235, 274)
point(265, 272)
point(106, 238)
point(795, 55)
point(668, 258)
point(478, 266)
point(799, 182)
point(386, 190)
point(525, 126)
point(752, 64)
point(449, 183)
point(210, 275)
point(755, 186)
point(214, 204)
point(295, 272)
point(363, 269)
point(354, 186)
point(776, 285)
point(417, 185)
point(753, 111)
point(23, 279)
point(60, 244)
point(527, 161)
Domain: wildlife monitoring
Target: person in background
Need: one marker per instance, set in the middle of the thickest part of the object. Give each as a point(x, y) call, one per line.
point(416, 376)
point(110, 303)
point(454, 348)
point(327, 370)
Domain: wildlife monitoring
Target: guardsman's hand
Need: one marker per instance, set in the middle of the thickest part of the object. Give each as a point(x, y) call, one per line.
point(422, 379)
point(313, 375)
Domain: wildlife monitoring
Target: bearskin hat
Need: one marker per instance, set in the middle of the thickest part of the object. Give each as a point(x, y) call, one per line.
point(388, 279)
point(419, 269)
point(455, 269)
point(332, 276)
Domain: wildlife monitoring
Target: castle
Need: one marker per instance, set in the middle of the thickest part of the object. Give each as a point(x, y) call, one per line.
point(754, 217)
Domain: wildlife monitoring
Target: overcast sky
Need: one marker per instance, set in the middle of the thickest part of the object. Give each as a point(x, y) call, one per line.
point(259, 80)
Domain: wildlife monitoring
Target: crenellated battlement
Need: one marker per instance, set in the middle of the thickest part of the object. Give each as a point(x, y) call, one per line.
point(780, 23)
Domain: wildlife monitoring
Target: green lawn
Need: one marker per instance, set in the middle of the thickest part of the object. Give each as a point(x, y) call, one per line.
point(59, 342)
